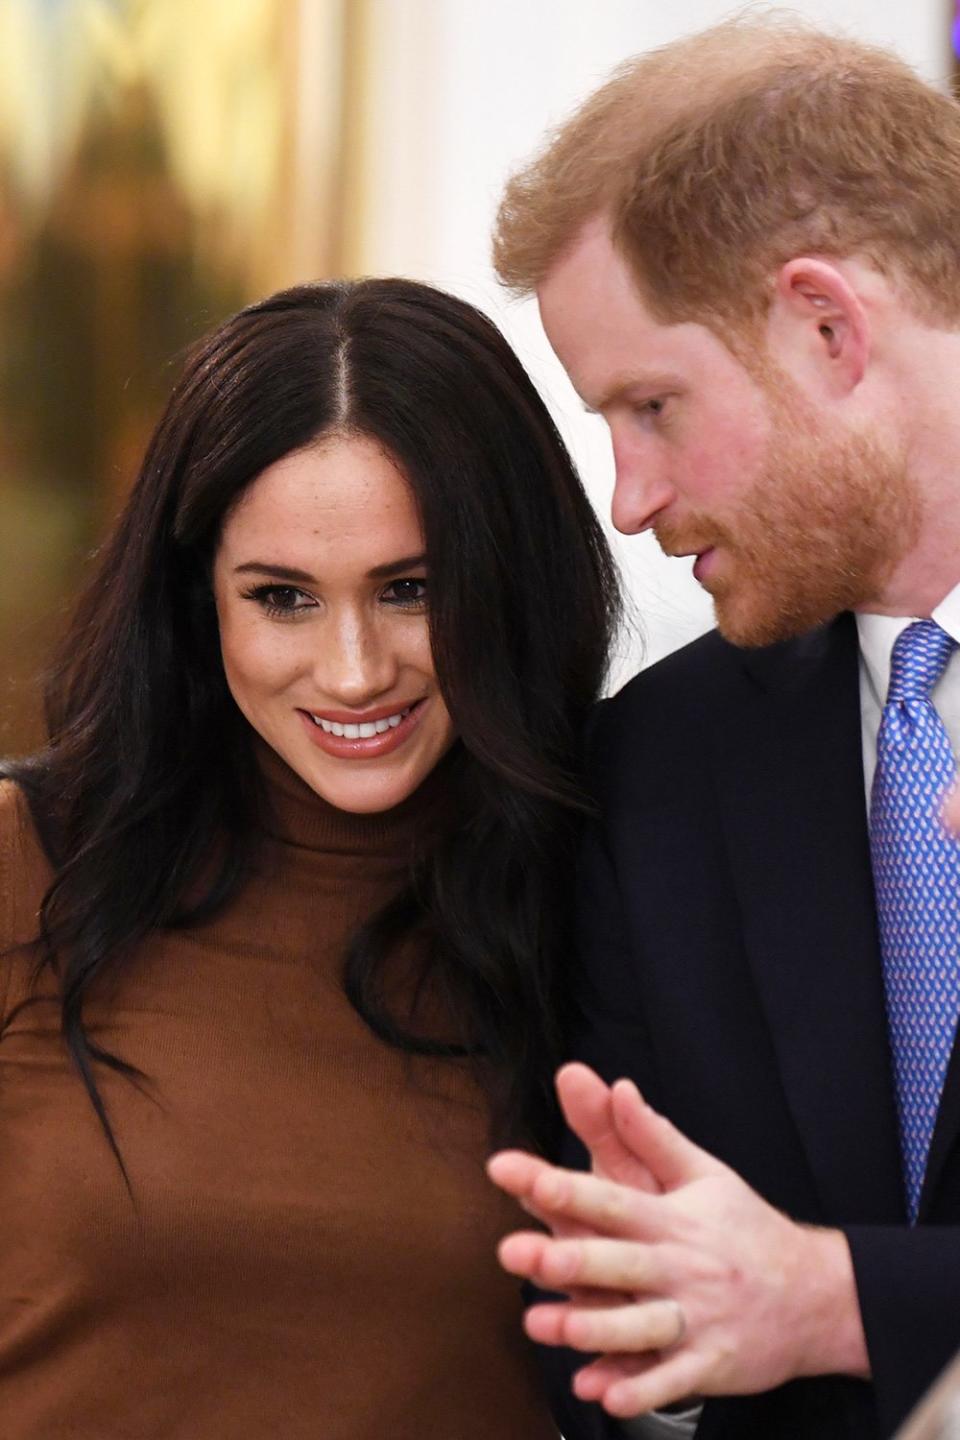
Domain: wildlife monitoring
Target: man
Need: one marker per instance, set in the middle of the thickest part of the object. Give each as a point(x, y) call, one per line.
point(746, 249)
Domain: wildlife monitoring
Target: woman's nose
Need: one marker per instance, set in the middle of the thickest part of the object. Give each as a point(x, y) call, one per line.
point(354, 664)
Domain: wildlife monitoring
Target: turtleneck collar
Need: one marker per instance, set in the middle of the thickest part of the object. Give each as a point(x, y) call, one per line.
point(296, 815)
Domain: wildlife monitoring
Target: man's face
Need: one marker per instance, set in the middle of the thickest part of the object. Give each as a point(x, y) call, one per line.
point(792, 516)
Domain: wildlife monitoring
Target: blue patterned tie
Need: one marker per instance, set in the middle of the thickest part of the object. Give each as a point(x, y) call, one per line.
point(916, 871)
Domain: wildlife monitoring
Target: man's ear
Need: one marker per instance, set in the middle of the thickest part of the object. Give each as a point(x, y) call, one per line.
point(818, 328)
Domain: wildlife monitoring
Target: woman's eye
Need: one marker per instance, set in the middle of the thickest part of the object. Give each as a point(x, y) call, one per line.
point(280, 600)
point(409, 593)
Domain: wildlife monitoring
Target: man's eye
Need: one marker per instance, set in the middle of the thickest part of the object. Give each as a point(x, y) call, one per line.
point(412, 594)
point(652, 407)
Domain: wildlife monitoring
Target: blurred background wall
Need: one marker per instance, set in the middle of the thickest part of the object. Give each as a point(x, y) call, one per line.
point(164, 161)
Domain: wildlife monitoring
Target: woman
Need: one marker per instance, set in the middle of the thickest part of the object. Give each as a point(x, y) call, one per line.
point(299, 847)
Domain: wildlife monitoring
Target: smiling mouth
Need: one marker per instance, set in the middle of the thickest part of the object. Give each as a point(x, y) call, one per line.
point(378, 733)
point(362, 729)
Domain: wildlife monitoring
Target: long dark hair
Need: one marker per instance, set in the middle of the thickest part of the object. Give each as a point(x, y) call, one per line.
point(148, 771)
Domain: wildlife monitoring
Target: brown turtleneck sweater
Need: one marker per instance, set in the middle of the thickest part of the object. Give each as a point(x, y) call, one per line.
point(311, 1253)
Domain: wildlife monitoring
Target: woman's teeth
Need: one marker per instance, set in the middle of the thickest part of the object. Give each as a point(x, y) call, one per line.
point(366, 731)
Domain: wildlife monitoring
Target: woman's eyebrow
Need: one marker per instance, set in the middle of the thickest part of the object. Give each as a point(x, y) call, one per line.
point(281, 572)
point(288, 572)
point(393, 567)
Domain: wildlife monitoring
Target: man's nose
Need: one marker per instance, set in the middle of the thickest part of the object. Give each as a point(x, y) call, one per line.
point(642, 487)
point(354, 664)
point(640, 494)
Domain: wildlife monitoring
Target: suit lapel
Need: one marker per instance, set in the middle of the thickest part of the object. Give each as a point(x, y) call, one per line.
point(944, 1134)
point(788, 763)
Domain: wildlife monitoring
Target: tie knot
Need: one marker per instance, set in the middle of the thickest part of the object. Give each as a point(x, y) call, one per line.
point(918, 660)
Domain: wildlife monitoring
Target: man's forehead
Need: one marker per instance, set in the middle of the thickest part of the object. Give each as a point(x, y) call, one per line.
point(589, 258)
point(590, 301)
point(611, 347)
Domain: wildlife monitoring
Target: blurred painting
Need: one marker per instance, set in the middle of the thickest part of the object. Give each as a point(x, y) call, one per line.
point(161, 163)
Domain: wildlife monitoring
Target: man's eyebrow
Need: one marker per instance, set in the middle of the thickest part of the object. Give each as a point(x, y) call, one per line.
point(302, 577)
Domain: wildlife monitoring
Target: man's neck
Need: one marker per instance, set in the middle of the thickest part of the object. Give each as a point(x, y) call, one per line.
point(926, 390)
point(919, 603)
point(931, 569)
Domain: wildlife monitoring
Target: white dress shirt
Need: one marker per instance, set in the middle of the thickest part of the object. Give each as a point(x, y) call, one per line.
point(877, 635)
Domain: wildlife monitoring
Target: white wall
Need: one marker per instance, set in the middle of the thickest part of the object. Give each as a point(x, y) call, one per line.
point(465, 90)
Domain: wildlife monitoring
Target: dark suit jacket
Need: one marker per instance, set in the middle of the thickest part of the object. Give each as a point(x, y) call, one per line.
point(730, 965)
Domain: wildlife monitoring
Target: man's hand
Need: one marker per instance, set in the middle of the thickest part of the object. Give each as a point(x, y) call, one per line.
point(950, 815)
point(719, 1292)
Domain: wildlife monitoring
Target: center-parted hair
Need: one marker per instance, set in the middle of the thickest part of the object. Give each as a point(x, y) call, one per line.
point(724, 154)
point(146, 796)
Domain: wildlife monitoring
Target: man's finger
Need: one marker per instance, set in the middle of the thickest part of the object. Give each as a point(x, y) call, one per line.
point(516, 1171)
point(641, 1328)
point(616, 1211)
point(560, 1228)
point(570, 1195)
point(672, 1159)
point(672, 1380)
point(593, 1381)
point(590, 1262)
point(551, 1314)
point(586, 1103)
point(950, 815)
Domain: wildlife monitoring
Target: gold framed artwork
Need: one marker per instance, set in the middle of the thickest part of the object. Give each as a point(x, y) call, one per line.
point(161, 163)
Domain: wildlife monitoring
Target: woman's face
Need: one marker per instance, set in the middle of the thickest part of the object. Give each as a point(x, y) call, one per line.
point(320, 585)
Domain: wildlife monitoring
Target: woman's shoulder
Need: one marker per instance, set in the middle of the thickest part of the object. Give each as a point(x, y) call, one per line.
point(24, 869)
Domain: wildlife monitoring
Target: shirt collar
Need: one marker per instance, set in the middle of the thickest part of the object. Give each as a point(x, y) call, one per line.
point(877, 635)
point(947, 613)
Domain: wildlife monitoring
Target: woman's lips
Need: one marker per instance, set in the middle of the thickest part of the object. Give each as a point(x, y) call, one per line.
point(362, 747)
